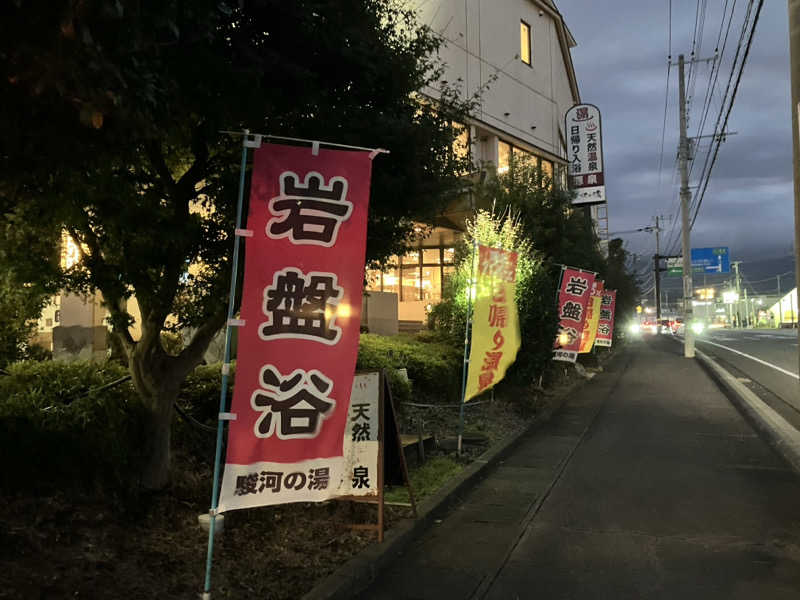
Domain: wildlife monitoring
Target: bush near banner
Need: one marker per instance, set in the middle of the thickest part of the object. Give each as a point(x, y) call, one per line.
point(534, 295)
point(82, 442)
point(55, 436)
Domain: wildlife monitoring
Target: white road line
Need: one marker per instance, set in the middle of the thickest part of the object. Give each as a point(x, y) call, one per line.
point(758, 360)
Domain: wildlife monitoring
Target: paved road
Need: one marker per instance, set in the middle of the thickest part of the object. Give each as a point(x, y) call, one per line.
point(648, 485)
point(768, 357)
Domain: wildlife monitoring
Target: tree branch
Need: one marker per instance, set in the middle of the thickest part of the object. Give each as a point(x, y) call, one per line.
point(156, 158)
point(192, 355)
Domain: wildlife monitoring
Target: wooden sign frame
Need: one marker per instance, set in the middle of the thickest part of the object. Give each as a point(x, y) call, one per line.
point(384, 400)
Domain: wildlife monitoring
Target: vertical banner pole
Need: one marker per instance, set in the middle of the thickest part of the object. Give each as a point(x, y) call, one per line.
point(223, 393)
point(467, 334)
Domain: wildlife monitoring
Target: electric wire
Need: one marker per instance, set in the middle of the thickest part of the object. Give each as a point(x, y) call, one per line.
point(719, 55)
point(673, 238)
point(666, 94)
point(728, 113)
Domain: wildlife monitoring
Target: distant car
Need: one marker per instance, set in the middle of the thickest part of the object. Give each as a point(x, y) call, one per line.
point(648, 326)
point(676, 324)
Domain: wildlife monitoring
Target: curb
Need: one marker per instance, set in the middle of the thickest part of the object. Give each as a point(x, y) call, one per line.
point(357, 573)
point(776, 430)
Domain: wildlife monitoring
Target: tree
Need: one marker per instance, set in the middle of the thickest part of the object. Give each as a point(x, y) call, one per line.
point(112, 121)
point(619, 278)
point(20, 307)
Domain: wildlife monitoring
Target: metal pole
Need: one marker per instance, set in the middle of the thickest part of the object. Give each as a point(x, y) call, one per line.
point(683, 156)
point(223, 393)
point(738, 293)
point(780, 305)
point(794, 61)
point(467, 336)
point(746, 309)
point(657, 259)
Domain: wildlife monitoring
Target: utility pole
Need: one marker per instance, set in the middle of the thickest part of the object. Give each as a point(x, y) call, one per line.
point(780, 305)
point(683, 159)
point(746, 309)
point(736, 264)
point(657, 260)
point(794, 65)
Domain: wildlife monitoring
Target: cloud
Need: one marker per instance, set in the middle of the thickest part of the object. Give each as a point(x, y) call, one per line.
point(620, 62)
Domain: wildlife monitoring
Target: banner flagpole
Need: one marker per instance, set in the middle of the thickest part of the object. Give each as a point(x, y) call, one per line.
point(223, 393)
point(467, 335)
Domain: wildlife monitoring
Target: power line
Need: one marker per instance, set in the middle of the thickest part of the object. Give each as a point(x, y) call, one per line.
point(728, 113)
point(673, 238)
point(715, 69)
point(666, 95)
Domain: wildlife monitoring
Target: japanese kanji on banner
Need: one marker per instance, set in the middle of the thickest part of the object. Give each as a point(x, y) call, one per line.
point(592, 317)
point(573, 300)
point(299, 330)
point(495, 326)
point(605, 327)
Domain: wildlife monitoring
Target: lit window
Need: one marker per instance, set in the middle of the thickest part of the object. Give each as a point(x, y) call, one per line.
point(547, 172)
point(525, 42)
point(430, 256)
point(410, 284)
point(461, 143)
point(391, 282)
point(503, 156)
point(432, 284)
point(373, 280)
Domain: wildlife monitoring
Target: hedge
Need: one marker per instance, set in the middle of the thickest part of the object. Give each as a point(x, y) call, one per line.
point(56, 433)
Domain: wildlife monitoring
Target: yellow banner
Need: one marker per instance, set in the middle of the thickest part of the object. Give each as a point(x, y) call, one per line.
point(590, 325)
point(495, 325)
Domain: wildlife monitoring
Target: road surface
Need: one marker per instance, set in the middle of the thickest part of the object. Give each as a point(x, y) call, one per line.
point(767, 357)
point(647, 484)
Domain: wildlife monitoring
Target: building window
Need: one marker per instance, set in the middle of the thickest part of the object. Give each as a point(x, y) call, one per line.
point(506, 151)
point(417, 275)
point(503, 157)
point(461, 142)
point(525, 42)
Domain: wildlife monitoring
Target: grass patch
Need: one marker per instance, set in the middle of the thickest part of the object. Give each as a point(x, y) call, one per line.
point(426, 479)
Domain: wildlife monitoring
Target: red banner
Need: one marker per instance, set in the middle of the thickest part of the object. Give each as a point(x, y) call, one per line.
point(301, 311)
point(573, 299)
point(605, 326)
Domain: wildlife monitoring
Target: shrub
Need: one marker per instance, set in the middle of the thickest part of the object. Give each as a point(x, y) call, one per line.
point(57, 432)
point(535, 291)
point(434, 367)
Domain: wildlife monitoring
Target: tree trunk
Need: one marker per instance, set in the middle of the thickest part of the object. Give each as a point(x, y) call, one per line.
point(157, 379)
point(158, 427)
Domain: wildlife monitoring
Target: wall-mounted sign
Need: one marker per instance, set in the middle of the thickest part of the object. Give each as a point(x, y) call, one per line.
point(585, 154)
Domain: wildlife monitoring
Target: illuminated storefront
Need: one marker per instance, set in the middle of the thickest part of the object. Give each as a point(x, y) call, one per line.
point(418, 279)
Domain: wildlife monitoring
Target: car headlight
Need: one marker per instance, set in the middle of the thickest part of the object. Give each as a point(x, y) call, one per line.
point(697, 327)
point(634, 328)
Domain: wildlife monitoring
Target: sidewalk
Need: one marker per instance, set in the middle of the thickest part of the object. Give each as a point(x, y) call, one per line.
point(647, 484)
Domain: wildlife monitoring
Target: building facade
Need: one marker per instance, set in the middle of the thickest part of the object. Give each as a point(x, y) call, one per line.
point(514, 55)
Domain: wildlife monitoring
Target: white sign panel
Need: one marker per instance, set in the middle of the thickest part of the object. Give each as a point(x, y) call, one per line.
point(585, 154)
point(355, 473)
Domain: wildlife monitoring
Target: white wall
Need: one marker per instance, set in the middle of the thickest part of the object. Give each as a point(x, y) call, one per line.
point(482, 38)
